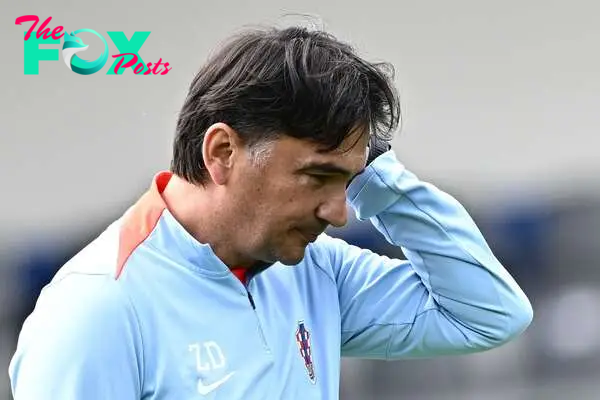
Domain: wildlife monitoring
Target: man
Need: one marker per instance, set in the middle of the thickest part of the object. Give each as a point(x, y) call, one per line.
point(219, 283)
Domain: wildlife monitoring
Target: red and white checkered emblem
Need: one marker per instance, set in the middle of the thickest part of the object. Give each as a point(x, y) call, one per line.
point(303, 340)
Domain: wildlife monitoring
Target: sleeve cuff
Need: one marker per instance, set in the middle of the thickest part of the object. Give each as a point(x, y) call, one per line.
point(377, 187)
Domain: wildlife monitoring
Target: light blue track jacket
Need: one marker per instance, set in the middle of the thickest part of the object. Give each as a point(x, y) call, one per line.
point(147, 312)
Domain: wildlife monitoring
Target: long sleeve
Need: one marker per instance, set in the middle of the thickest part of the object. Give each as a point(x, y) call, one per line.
point(80, 343)
point(451, 295)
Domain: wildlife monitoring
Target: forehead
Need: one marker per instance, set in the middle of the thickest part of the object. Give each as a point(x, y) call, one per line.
point(351, 154)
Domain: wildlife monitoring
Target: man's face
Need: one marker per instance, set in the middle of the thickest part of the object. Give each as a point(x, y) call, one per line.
point(286, 201)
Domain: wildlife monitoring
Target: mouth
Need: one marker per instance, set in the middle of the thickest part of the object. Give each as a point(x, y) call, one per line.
point(309, 237)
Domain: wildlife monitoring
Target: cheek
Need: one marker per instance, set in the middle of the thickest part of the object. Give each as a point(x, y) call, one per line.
point(269, 189)
point(282, 201)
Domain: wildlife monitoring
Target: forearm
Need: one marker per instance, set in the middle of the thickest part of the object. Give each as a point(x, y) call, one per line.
point(445, 248)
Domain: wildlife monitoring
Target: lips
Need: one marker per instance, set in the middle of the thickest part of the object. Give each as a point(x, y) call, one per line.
point(310, 236)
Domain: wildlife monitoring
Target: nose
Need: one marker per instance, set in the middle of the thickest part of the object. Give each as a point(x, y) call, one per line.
point(334, 211)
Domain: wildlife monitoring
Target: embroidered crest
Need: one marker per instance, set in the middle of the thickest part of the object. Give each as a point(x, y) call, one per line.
point(303, 340)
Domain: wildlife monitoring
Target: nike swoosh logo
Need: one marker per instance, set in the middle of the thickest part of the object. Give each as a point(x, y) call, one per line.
point(206, 389)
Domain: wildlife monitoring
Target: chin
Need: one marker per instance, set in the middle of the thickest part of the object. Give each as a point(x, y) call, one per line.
point(292, 257)
point(290, 252)
point(291, 262)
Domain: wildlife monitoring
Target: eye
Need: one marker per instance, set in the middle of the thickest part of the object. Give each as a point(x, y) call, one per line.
point(318, 179)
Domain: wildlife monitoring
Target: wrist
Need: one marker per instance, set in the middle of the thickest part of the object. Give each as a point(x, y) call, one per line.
point(376, 148)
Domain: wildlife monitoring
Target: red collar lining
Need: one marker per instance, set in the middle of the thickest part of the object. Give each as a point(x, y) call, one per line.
point(241, 274)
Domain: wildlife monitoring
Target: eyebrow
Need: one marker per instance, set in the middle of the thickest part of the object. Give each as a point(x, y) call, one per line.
point(327, 168)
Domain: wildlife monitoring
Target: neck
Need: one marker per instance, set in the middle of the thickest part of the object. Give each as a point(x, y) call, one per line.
point(200, 213)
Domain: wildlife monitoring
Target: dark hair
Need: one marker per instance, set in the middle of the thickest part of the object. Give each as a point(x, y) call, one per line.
point(296, 82)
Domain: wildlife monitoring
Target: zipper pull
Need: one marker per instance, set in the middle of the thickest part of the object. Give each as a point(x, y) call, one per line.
point(251, 300)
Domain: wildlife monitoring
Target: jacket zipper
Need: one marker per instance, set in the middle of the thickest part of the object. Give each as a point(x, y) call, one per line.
point(259, 325)
point(251, 300)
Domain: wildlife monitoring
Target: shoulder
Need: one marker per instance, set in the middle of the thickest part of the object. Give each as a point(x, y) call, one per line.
point(85, 293)
point(81, 324)
point(77, 303)
point(328, 253)
point(333, 250)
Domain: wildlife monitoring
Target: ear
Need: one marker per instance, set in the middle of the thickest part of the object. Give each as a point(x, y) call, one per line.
point(219, 149)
